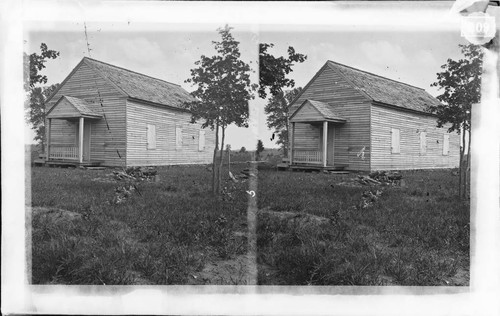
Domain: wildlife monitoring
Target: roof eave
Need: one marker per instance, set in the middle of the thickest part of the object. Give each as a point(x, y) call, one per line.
point(331, 120)
point(96, 117)
point(158, 104)
point(402, 108)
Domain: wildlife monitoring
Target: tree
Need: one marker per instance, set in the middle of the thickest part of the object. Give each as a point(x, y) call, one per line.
point(243, 149)
point(260, 149)
point(461, 82)
point(36, 111)
point(273, 70)
point(228, 150)
point(35, 106)
point(223, 90)
point(278, 115)
point(36, 63)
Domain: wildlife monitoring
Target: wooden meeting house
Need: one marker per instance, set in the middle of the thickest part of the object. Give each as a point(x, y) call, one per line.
point(346, 118)
point(106, 115)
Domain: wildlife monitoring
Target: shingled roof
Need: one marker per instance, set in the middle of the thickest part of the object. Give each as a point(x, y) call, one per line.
point(384, 90)
point(140, 86)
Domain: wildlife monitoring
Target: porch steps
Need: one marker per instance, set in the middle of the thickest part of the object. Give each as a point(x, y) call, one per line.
point(38, 162)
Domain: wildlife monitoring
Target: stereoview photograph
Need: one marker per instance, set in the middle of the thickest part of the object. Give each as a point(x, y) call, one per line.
point(222, 155)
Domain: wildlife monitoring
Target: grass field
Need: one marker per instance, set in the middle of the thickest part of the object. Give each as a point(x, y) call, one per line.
point(174, 232)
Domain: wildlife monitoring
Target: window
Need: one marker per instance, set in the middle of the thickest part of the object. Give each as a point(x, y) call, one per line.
point(151, 135)
point(201, 141)
point(395, 139)
point(423, 142)
point(446, 144)
point(178, 137)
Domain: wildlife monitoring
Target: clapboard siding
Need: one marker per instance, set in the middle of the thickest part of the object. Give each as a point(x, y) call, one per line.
point(352, 137)
point(410, 125)
point(107, 145)
point(63, 133)
point(307, 136)
point(139, 115)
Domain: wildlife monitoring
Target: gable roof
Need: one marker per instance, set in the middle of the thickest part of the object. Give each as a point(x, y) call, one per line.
point(385, 90)
point(140, 86)
point(80, 108)
point(136, 85)
point(324, 110)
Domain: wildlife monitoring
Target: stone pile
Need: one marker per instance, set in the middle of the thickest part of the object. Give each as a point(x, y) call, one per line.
point(136, 174)
point(381, 178)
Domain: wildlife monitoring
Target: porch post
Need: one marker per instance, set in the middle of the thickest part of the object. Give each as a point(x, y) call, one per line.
point(292, 145)
point(80, 140)
point(49, 125)
point(325, 138)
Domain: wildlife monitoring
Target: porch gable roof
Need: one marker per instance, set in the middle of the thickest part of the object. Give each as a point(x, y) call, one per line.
point(311, 110)
point(70, 107)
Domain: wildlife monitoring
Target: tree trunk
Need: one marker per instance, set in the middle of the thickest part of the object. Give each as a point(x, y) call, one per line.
point(461, 171)
point(214, 165)
point(469, 157)
point(42, 146)
point(462, 179)
point(44, 134)
point(229, 160)
point(219, 174)
point(287, 140)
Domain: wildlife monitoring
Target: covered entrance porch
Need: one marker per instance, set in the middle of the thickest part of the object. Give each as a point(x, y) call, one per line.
point(69, 130)
point(312, 146)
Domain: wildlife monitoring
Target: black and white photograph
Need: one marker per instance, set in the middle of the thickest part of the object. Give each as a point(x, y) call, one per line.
point(252, 157)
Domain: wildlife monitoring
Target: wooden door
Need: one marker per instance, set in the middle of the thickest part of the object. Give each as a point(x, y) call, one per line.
point(86, 141)
point(329, 146)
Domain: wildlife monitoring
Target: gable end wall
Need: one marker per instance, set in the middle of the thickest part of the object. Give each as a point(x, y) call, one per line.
point(351, 138)
point(106, 145)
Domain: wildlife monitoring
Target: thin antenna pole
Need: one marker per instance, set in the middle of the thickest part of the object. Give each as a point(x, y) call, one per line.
point(97, 87)
point(87, 38)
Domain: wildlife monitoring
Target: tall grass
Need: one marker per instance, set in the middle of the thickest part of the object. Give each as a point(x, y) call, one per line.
point(417, 235)
point(413, 235)
point(174, 227)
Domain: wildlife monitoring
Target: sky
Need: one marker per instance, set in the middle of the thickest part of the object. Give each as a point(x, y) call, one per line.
point(168, 52)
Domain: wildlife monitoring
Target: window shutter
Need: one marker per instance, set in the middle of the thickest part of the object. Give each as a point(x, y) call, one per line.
point(201, 141)
point(395, 140)
point(423, 142)
point(178, 137)
point(151, 136)
point(446, 144)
